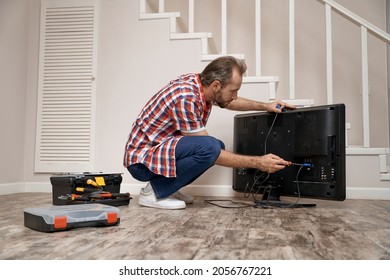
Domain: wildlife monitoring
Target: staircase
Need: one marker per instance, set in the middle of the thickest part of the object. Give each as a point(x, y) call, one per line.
point(149, 11)
point(155, 10)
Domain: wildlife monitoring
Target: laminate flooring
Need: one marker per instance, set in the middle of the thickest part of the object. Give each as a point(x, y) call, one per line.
point(333, 230)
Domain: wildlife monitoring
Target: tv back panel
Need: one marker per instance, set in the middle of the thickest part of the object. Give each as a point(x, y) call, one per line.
point(312, 137)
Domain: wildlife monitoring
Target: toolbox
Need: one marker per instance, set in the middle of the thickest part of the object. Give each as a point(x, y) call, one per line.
point(60, 218)
point(86, 188)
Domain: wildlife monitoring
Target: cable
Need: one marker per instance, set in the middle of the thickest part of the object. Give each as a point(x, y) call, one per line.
point(269, 188)
point(269, 132)
point(298, 189)
point(251, 191)
point(239, 204)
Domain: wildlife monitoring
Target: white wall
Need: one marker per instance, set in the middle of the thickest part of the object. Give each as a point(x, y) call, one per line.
point(14, 20)
point(136, 58)
point(388, 56)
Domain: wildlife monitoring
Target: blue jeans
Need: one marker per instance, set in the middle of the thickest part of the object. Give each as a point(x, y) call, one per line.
point(194, 155)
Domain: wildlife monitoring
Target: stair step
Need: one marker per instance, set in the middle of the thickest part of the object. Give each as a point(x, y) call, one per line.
point(385, 177)
point(210, 57)
point(382, 153)
point(300, 102)
point(184, 36)
point(159, 15)
point(360, 150)
point(383, 164)
point(260, 79)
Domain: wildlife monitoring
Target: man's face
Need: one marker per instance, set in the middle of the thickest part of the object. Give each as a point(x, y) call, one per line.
point(225, 95)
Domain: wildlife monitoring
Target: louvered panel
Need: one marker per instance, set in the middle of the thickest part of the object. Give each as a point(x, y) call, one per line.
point(66, 93)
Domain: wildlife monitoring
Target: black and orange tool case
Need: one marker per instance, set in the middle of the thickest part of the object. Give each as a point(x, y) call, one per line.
point(65, 217)
point(85, 188)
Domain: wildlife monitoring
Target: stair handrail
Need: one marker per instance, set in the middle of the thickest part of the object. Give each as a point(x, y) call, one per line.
point(365, 26)
point(384, 36)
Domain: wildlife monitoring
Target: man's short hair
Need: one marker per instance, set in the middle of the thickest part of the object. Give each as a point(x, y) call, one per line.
point(221, 69)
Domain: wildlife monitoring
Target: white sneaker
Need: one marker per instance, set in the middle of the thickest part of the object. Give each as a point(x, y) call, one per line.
point(180, 196)
point(148, 198)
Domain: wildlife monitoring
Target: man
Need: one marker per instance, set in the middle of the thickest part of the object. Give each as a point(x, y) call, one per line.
point(169, 146)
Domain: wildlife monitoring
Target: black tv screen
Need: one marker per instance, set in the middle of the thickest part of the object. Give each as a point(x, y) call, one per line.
point(311, 138)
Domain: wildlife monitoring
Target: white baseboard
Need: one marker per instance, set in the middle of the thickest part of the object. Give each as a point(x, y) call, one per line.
point(368, 193)
point(195, 190)
point(381, 193)
point(9, 188)
point(38, 187)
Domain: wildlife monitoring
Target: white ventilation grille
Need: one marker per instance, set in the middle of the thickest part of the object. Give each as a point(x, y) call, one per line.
point(66, 91)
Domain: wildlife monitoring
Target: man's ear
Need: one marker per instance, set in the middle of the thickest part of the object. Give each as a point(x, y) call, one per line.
point(216, 85)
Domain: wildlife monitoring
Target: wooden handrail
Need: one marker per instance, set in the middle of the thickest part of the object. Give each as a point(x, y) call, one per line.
point(365, 27)
point(360, 21)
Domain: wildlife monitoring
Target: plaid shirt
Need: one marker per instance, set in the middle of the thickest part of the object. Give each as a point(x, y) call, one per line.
point(180, 106)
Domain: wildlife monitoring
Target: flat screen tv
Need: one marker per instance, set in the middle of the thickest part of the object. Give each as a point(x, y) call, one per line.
point(311, 138)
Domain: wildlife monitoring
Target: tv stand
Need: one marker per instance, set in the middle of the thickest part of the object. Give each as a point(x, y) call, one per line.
point(271, 198)
point(279, 204)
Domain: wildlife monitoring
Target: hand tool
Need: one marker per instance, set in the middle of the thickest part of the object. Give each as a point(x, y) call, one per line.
point(73, 197)
point(301, 164)
point(94, 194)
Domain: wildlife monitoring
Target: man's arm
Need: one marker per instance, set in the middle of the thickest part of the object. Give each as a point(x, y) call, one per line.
point(268, 163)
point(244, 104)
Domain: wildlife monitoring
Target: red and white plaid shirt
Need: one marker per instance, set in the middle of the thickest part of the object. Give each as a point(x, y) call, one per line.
point(180, 106)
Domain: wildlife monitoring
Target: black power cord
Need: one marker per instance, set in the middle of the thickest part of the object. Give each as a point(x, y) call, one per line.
point(263, 203)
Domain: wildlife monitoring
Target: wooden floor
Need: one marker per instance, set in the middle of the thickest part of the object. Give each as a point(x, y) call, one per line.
point(348, 230)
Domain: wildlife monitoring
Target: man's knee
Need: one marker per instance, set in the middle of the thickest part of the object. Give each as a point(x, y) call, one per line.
point(213, 147)
point(203, 148)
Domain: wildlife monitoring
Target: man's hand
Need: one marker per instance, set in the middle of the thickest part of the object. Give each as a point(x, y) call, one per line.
point(278, 106)
point(271, 163)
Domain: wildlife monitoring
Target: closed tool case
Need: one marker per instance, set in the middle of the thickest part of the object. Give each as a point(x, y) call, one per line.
point(84, 188)
point(59, 218)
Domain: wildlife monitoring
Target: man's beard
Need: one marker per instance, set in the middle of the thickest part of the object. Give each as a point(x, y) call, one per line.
point(218, 99)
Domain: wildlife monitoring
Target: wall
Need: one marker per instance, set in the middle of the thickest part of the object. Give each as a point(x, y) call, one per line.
point(388, 56)
point(14, 37)
point(136, 58)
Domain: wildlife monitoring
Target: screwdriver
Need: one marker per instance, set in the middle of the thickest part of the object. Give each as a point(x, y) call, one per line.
point(93, 183)
point(108, 195)
point(73, 197)
point(301, 164)
point(79, 189)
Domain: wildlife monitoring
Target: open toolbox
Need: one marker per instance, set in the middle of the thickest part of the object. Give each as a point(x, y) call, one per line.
point(60, 218)
point(85, 188)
